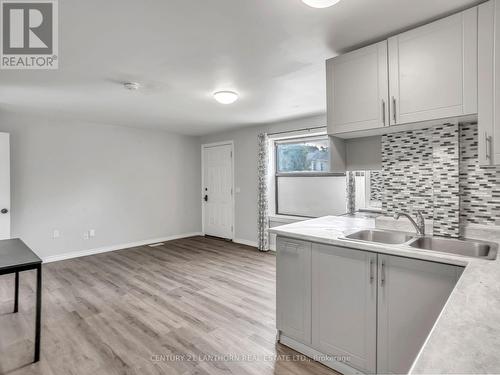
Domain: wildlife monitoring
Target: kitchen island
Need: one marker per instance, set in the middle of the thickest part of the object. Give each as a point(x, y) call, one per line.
point(465, 338)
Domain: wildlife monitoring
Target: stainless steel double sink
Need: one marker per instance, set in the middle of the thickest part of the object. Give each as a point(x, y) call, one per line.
point(468, 248)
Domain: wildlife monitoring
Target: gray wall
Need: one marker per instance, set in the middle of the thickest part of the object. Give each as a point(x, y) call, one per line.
point(127, 184)
point(245, 156)
point(364, 154)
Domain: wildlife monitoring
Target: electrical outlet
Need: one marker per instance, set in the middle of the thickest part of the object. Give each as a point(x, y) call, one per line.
point(92, 233)
point(56, 234)
point(86, 235)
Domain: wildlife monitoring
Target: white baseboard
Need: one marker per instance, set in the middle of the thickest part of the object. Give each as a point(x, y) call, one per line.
point(252, 243)
point(245, 242)
point(105, 249)
point(329, 361)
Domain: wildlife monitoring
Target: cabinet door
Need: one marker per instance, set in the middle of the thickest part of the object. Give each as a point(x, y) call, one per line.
point(293, 289)
point(489, 84)
point(433, 70)
point(344, 300)
point(411, 295)
point(357, 90)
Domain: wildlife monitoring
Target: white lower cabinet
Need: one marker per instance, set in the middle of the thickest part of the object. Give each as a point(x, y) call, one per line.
point(344, 305)
point(411, 295)
point(372, 312)
point(293, 289)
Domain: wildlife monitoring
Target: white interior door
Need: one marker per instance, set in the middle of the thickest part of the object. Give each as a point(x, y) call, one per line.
point(4, 186)
point(217, 191)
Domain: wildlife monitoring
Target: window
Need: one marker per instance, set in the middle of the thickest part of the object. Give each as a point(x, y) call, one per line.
point(303, 155)
point(304, 185)
point(368, 189)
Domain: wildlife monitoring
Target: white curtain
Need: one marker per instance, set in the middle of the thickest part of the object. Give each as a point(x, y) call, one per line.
point(263, 209)
point(351, 192)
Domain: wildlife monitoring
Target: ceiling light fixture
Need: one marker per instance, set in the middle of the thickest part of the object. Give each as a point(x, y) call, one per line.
point(320, 3)
point(132, 86)
point(226, 97)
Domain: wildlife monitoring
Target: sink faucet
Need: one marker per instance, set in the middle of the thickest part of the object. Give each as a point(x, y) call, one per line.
point(419, 225)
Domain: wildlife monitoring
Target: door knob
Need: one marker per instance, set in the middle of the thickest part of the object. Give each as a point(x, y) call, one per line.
point(4, 211)
point(205, 198)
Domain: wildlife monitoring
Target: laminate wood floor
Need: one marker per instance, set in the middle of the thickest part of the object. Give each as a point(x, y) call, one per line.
point(192, 306)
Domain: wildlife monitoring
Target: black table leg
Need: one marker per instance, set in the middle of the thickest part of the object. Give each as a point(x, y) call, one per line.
point(16, 293)
point(38, 311)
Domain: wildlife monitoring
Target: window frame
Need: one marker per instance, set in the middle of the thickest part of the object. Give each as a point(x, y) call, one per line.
point(300, 173)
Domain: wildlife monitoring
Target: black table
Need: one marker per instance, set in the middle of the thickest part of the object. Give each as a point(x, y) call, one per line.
point(16, 257)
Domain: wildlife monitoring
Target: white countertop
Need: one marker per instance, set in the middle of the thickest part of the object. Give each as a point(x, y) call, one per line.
point(466, 337)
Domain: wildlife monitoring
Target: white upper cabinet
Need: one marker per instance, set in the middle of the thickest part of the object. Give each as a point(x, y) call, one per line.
point(357, 90)
point(433, 70)
point(489, 83)
point(425, 74)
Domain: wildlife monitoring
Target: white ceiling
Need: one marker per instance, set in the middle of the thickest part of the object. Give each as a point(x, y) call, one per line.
point(270, 51)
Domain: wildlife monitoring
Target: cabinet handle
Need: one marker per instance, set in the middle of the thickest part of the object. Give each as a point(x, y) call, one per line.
point(382, 274)
point(372, 274)
point(383, 112)
point(394, 109)
point(487, 141)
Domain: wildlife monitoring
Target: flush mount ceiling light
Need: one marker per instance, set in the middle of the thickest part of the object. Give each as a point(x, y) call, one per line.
point(226, 97)
point(320, 3)
point(132, 86)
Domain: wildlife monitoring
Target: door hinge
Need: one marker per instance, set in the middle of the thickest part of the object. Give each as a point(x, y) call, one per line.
point(231, 154)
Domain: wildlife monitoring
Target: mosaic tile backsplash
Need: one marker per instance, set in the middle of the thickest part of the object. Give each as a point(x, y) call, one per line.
point(407, 172)
point(445, 180)
point(436, 171)
point(376, 186)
